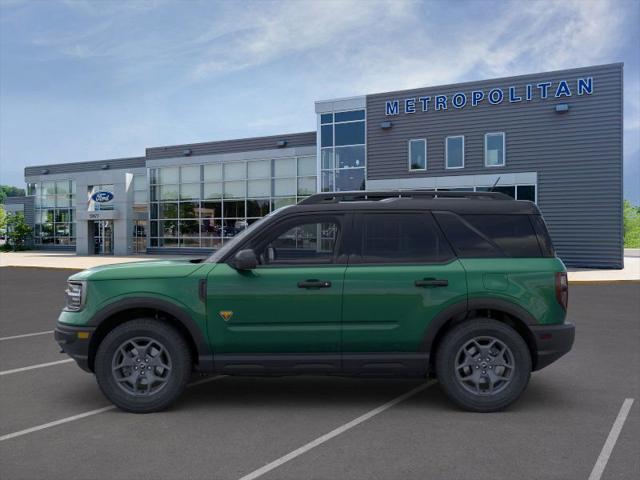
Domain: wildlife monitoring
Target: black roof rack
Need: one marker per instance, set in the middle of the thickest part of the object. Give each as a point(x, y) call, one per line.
point(361, 196)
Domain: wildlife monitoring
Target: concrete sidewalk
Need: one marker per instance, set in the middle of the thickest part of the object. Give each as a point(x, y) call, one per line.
point(49, 259)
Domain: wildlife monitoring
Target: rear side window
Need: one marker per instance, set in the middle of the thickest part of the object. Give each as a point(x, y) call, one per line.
point(481, 236)
point(543, 236)
point(402, 238)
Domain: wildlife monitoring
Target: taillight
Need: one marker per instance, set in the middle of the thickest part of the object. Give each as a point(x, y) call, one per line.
point(562, 289)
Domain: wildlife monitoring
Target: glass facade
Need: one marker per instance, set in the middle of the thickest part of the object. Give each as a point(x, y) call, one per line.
point(202, 205)
point(343, 151)
point(54, 212)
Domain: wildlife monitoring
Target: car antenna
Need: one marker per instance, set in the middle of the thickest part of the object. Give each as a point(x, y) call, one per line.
point(494, 185)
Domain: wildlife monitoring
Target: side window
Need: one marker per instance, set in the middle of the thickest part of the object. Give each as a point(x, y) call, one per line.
point(543, 236)
point(402, 238)
point(482, 236)
point(304, 243)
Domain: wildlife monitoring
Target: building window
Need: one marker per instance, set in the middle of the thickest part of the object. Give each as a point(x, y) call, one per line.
point(205, 205)
point(343, 151)
point(454, 152)
point(494, 147)
point(519, 192)
point(140, 189)
point(54, 212)
point(418, 154)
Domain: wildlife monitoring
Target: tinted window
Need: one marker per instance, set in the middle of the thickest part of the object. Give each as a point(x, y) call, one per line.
point(349, 116)
point(350, 133)
point(543, 236)
point(403, 238)
point(467, 242)
point(491, 235)
point(304, 243)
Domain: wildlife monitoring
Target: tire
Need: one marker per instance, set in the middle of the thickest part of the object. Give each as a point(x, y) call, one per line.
point(139, 350)
point(483, 383)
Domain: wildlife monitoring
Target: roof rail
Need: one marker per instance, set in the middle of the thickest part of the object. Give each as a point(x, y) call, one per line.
point(362, 196)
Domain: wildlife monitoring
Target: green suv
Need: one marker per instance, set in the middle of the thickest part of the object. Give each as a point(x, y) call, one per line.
point(462, 286)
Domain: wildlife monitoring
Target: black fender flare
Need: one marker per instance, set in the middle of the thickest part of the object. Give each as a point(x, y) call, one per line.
point(464, 307)
point(205, 356)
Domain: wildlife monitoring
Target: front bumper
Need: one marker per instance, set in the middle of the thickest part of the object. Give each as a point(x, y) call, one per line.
point(552, 342)
point(74, 341)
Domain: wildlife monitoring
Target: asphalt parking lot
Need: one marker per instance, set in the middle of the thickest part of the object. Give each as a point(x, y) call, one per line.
point(54, 422)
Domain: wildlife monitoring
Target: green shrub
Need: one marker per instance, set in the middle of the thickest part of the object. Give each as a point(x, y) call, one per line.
point(631, 225)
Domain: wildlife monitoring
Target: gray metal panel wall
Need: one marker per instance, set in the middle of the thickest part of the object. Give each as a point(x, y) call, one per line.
point(577, 155)
point(230, 146)
point(113, 164)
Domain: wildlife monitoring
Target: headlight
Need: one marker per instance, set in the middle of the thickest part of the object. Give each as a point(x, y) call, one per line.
point(75, 295)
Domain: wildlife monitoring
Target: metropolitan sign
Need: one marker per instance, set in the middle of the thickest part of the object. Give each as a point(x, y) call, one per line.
point(494, 96)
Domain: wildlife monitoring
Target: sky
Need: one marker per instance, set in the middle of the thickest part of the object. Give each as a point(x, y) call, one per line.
point(88, 80)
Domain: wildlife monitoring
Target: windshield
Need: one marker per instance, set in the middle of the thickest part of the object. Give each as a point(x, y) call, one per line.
point(232, 243)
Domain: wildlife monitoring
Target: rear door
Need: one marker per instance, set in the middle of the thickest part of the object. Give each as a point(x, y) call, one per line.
point(402, 275)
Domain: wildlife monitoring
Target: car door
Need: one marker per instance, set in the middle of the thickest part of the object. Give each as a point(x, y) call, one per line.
point(402, 274)
point(290, 304)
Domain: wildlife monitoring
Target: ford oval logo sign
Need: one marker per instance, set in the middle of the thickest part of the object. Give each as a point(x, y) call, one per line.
point(102, 197)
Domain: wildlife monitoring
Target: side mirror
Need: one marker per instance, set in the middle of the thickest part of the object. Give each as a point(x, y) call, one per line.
point(245, 260)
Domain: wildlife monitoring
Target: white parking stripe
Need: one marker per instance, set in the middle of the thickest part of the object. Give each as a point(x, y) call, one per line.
point(601, 463)
point(90, 413)
point(334, 433)
point(32, 367)
point(24, 335)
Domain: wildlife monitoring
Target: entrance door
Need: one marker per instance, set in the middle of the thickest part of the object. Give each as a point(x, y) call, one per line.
point(103, 237)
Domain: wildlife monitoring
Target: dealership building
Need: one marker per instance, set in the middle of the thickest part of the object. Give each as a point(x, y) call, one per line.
point(553, 138)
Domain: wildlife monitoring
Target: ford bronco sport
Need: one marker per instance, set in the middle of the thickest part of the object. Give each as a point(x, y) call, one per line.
point(462, 286)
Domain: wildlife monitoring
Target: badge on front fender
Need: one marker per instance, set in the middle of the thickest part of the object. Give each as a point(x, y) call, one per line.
point(225, 314)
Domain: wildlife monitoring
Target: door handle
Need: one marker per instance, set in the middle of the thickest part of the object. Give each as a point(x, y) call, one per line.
point(314, 284)
point(431, 282)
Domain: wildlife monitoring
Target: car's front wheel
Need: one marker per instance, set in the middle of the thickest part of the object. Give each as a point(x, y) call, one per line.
point(143, 365)
point(483, 365)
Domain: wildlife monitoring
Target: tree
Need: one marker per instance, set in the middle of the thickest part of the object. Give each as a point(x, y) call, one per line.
point(17, 231)
point(631, 215)
point(3, 218)
point(10, 191)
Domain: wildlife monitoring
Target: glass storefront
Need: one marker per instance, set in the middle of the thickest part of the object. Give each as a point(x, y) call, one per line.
point(343, 151)
point(202, 205)
point(54, 212)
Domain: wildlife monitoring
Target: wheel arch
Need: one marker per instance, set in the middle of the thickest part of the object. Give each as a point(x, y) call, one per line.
point(126, 309)
point(502, 310)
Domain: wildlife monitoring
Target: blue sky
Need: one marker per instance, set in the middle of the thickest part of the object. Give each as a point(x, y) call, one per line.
point(87, 80)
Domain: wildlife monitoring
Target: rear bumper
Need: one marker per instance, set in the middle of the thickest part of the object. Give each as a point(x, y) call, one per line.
point(73, 344)
point(552, 342)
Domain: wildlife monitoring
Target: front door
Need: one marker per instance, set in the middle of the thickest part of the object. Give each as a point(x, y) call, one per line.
point(290, 304)
point(403, 274)
point(103, 237)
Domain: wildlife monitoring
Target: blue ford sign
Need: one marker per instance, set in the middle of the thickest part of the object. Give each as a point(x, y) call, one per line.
point(102, 197)
point(493, 96)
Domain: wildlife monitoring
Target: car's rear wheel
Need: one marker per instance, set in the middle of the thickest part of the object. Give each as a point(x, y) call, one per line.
point(143, 365)
point(483, 365)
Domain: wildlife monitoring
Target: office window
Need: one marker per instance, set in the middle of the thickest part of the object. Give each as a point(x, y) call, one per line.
point(454, 152)
point(343, 151)
point(418, 154)
point(494, 146)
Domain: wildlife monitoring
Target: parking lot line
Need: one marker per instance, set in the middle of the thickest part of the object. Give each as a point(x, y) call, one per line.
point(33, 367)
point(334, 433)
point(90, 413)
point(24, 335)
point(601, 463)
